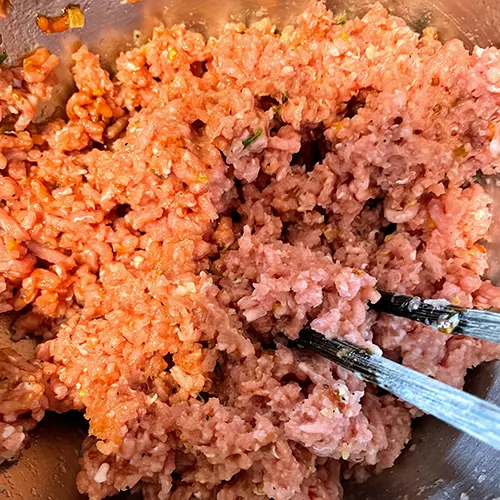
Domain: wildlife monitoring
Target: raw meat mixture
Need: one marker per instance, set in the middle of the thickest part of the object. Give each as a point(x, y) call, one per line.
point(200, 207)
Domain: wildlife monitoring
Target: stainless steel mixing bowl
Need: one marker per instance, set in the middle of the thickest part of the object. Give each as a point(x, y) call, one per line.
point(441, 463)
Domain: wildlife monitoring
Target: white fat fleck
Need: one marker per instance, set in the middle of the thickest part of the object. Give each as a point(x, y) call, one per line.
point(186, 288)
point(131, 66)
point(288, 70)
point(373, 349)
point(166, 168)
point(399, 99)
point(370, 51)
point(102, 473)
point(493, 75)
point(495, 147)
point(328, 412)
point(137, 261)
point(437, 303)
point(400, 216)
point(8, 431)
point(58, 193)
point(342, 390)
point(59, 271)
point(494, 89)
point(153, 399)
point(403, 181)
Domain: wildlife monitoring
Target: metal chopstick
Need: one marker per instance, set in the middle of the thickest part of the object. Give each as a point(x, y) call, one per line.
point(459, 409)
point(441, 315)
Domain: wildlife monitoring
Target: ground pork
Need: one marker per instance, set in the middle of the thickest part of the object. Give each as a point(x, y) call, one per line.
point(198, 208)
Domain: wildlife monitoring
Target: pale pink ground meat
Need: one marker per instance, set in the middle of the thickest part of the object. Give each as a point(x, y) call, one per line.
point(209, 201)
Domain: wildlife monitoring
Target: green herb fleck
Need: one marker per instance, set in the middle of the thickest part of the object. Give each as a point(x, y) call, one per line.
point(461, 152)
point(284, 97)
point(154, 172)
point(3, 56)
point(251, 139)
point(421, 23)
point(277, 115)
point(341, 18)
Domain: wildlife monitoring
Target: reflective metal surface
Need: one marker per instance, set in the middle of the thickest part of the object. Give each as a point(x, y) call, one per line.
point(442, 463)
